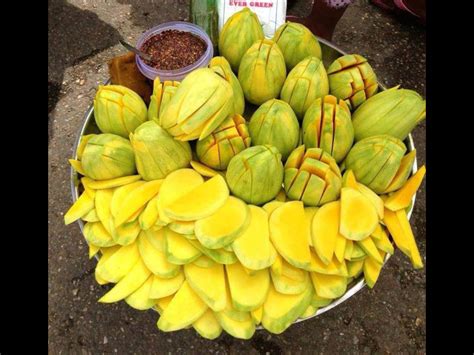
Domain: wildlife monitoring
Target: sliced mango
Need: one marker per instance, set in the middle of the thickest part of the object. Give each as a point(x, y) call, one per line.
point(281, 196)
point(309, 213)
point(126, 233)
point(370, 249)
point(277, 266)
point(383, 243)
point(209, 283)
point(288, 286)
point(156, 260)
point(182, 227)
point(136, 199)
point(224, 225)
point(248, 292)
point(85, 181)
point(325, 230)
point(204, 261)
point(162, 303)
point(309, 312)
point(357, 252)
point(96, 234)
point(93, 250)
point(354, 268)
point(292, 272)
point(178, 249)
point(177, 184)
point(200, 202)
point(112, 183)
point(118, 263)
point(348, 251)
point(253, 246)
point(149, 216)
point(120, 194)
point(203, 169)
point(403, 172)
point(288, 234)
point(220, 256)
point(333, 268)
point(401, 199)
point(106, 254)
point(103, 201)
point(128, 284)
point(207, 325)
point(238, 329)
point(156, 238)
point(414, 252)
point(340, 247)
point(371, 271)
point(161, 287)
point(280, 310)
point(329, 286)
point(82, 145)
point(83, 205)
point(358, 215)
point(376, 201)
point(77, 166)
point(91, 216)
point(349, 179)
point(318, 301)
point(377, 233)
point(185, 308)
point(272, 206)
point(257, 315)
point(140, 298)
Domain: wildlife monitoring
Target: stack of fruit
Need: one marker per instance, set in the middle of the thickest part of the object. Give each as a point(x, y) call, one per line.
point(261, 221)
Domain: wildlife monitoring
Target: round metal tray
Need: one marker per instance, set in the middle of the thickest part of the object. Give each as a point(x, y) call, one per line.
point(330, 53)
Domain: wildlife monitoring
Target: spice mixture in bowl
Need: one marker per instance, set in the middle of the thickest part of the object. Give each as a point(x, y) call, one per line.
point(177, 48)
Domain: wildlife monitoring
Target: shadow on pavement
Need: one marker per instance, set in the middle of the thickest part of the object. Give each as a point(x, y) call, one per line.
point(73, 35)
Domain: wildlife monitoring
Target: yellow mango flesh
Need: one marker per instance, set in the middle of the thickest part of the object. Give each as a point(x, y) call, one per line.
point(414, 252)
point(358, 215)
point(340, 247)
point(401, 198)
point(140, 299)
point(112, 183)
point(220, 256)
point(370, 249)
point(309, 213)
point(348, 251)
point(223, 226)
point(175, 185)
point(333, 268)
point(77, 166)
point(127, 233)
point(136, 199)
point(277, 266)
point(209, 283)
point(371, 271)
point(329, 286)
point(355, 267)
point(128, 284)
point(288, 286)
point(349, 180)
point(200, 202)
point(384, 243)
point(162, 303)
point(185, 308)
point(204, 261)
point(280, 310)
point(155, 259)
point(81, 207)
point(93, 249)
point(403, 172)
point(272, 206)
point(203, 169)
point(318, 301)
point(281, 196)
point(106, 254)
point(91, 216)
point(248, 292)
point(376, 201)
point(120, 194)
point(182, 227)
point(116, 266)
point(208, 326)
point(103, 201)
point(178, 249)
point(149, 215)
point(325, 230)
point(85, 181)
point(378, 232)
point(161, 287)
point(292, 272)
point(310, 311)
point(288, 234)
point(96, 234)
point(238, 329)
point(257, 315)
point(253, 247)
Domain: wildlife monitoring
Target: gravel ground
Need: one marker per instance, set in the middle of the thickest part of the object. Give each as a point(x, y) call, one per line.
point(83, 35)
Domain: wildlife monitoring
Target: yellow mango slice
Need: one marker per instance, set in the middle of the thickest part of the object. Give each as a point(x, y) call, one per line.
point(91, 216)
point(149, 215)
point(280, 310)
point(85, 181)
point(177, 184)
point(162, 303)
point(340, 247)
point(378, 232)
point(402, 235)
point(200, 202)
point(77, 166)
point(204, 261)
point(371, 271)
point(288, 234)
point(140, 298)
point(333, 268)
point(370, 249)
point(376, 201)
point(281, 196)
point(248, 292)
point(220, 256)
point(354, 268)
point(154, 259)
point(358, 215)
point(348, 251)
point(288, 286)
point(112, 183)
point(83, 205)
point(96, 234)
point(257, 315)
point(224, 225)
point(106, 254)
point(253, 247)
point(325, 229)
point(185, 308)
point(128, 284)
point(209, 283)
point(136, 199)
point(272, 206)
point(329, 286)
point(238, 329)
point(82, 145)
point(102, 201)
point(126, 233)
point(292, 272)
point(309, 213)
point(178, 249)
point(203, 169)
point(277, 266)
point(182, 227)
point(156, 238)
point(161, 287)
point(349, 180)
point(93, 250)
point(309, 312)
point(232, 312)
point(134, 217)
point(384, 243)
point(120, 194)
point(357, 252)
point(403, 172)
point(117, 265)
point(318, 301)
point(401, 198)
point(207, 325)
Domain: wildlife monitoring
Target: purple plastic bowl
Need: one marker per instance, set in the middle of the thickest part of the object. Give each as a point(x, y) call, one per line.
point(177, 74)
